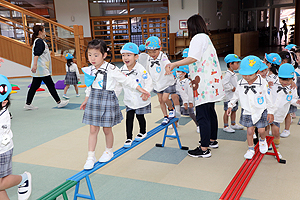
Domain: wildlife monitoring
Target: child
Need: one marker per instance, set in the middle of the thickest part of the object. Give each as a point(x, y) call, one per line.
point(229, 84)
point(7, 180)
point(287, 58)
point(72, 76)
point(101, 106)
point(263, 70)
point(256, 103)
point(283, 96)
point(163, 85)
point(273, 61)
point(132, 100)
point(143, 57)
point(183, 86)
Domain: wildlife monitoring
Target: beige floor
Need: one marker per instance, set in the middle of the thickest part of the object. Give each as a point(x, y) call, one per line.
point(270, 181)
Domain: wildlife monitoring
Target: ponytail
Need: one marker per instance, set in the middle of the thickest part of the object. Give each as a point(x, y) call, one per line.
point(36, 29)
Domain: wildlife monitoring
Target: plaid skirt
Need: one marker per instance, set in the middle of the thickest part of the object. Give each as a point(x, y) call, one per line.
point(71, 78)
point(292, 109)
point(171, 90)
point(6, 163)
point(141, 111)
point(102, 109)
point(235, 108)
point(246, 120)
point(276, 124)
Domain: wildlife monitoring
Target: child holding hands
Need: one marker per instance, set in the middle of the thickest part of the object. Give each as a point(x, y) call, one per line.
point(101, 106)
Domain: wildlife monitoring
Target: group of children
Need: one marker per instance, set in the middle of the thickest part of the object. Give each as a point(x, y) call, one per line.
point(267, 93)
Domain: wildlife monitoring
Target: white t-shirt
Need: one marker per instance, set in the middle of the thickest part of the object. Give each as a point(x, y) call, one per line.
point(5, 131)
point(229, 82)
point(198, 46)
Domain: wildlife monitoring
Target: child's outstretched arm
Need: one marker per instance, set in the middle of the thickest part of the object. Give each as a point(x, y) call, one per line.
point(145, 94)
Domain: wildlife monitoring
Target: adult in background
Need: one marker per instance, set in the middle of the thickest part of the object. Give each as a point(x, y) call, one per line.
point(41, 69)
point(205, 73)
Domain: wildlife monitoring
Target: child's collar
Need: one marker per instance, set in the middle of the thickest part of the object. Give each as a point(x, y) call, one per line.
point(256, 82)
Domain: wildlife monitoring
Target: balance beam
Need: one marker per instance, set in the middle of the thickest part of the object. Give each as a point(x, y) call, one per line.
point(241, 179)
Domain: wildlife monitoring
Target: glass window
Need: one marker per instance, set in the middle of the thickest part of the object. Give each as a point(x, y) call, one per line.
point(148, 6)
point(108, 7)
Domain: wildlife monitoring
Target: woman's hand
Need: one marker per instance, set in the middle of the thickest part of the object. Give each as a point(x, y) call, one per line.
point(169, 67)
point(33, 69)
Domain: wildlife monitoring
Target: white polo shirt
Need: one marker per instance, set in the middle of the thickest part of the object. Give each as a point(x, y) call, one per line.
point(229, 82)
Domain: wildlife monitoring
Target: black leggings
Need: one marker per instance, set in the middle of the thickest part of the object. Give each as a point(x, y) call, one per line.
point(129, 123)
point(36, 83)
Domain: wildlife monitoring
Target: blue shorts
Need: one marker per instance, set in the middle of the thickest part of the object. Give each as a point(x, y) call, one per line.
point(235, 108)
point(276, 124)
point(246, 120)
point(171, 90)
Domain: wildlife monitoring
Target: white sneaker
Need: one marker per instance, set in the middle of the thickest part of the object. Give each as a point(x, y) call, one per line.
point(30, 107)
point(165, 121)
point(77, 95)
point(62, 103)
point(198, 129)
point(24, 190)
point(237, 127)
point(89, 164)
point(127, 143)
point(228, 129)
point(172, 114)
point(173, 134)
point(66, 97)
point(170, 127)
point(140, 136)
point(263, 146)
point(285, 133)
point(106, 156)
point(249, 154)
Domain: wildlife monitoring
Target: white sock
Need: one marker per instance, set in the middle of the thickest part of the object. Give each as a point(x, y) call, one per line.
point(109, 149)
point(24, 178)
point(91, 154)
point(177, 109)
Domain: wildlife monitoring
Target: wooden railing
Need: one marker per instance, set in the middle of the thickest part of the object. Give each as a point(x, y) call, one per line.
point(61, 39)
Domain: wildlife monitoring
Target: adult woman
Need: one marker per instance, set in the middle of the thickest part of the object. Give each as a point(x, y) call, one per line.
point(205, 73)
point(41, 68)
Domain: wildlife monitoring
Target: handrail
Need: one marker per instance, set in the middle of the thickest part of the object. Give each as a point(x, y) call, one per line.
point(27, 12)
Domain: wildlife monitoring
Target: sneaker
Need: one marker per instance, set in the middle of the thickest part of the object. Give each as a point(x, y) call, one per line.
point(66, 97)
point(140, 136)
point(89, 164)
point(285, 133)
point(165, 121)
point(62, 103)
point(127, 143)
point(228, 129)
point(198, 152)
point(173, 134)
point(213, 144)
point(77, 95)
point(236, 127)
point(170, 127)
point(24, 190)
point(30, 107)
point(172, 114)
point(106, 156)
point(198, 129)
point(249, 154)
point(263, 146)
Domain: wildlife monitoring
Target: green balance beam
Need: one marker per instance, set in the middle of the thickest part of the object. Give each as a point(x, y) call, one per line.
point(59, 190)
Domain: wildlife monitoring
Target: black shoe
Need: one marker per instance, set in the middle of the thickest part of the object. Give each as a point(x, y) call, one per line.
point(199, 153)
point(213, 144)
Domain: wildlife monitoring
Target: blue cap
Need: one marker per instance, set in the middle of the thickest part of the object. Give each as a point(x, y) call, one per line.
point(286, 70)
point(232, 58)
point(263, 66)
point(290, 46)
point(142, 47)
point(69, 56)
point(183, 68)
point(185, 53)
point(174, 72)
point(273, 58)
point(153, 42)
point(5, 88)
point(88, 79)
point(130, 48)
point(249, 65)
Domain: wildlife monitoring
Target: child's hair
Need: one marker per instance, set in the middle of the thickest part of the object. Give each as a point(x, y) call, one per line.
point(8, 103)
point(36, 29)
point(98, 45)
point(285, 55)
point(274, 68)
point(196, 25)
point(285, 79)
point(69, 62)
point(228, 64)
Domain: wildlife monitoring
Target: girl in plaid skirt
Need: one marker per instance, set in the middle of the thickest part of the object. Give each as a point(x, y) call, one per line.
point(7, 179)
point(72, 76)
point(101, 106)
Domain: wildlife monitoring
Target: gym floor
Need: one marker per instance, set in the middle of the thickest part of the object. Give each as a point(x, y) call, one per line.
point(51, 143)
